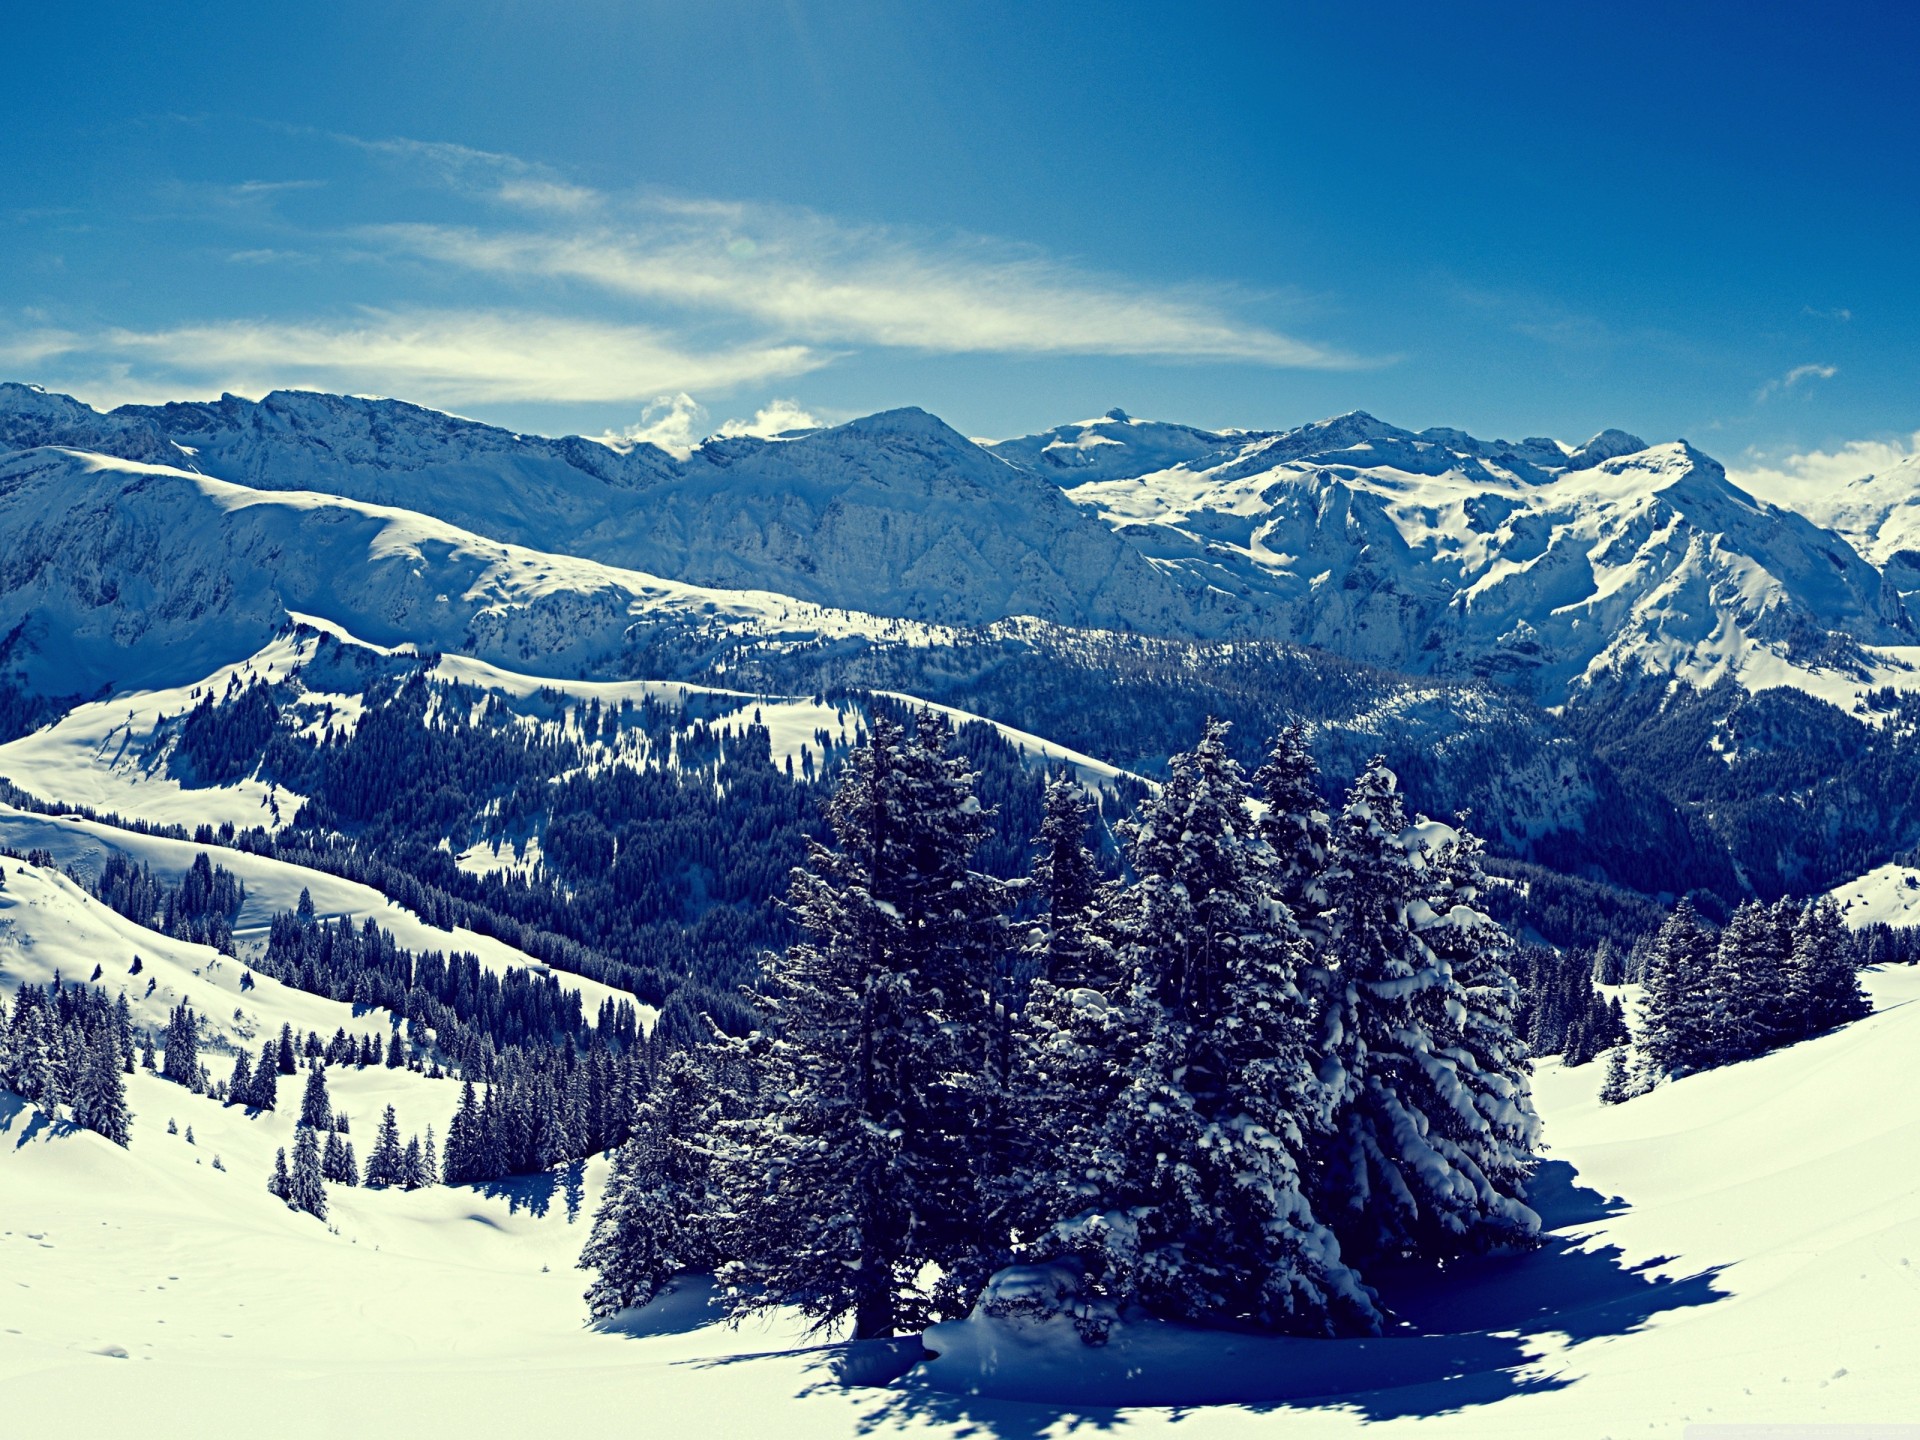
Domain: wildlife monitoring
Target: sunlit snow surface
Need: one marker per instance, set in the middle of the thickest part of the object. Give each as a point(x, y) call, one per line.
point(1704, 1268)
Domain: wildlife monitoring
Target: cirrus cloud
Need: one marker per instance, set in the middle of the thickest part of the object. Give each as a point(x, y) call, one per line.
point(440, 357)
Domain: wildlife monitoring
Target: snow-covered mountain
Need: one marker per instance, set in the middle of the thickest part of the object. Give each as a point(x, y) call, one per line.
point(1533, 562)
point(896, 513)
point(129, 575)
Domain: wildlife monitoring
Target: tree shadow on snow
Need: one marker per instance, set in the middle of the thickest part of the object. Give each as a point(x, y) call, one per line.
point(534, 1193)
point(1467, 1337)
point(30, 1121)
point(1569, 1286)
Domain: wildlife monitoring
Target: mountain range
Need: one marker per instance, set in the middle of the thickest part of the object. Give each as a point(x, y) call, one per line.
point(1416, 592)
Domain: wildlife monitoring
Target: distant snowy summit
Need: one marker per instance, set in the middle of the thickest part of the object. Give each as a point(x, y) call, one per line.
point(1537, 563)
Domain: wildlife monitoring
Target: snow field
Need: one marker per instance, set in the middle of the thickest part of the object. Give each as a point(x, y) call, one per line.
point(1742, 1245)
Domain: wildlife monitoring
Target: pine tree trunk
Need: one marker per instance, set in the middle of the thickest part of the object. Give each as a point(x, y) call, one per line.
point(873, 1316)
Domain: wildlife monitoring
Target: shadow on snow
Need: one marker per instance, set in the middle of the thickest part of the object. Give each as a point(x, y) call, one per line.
point(1469, 1335)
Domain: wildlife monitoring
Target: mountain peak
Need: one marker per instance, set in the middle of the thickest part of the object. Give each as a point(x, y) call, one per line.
point(1607, 445)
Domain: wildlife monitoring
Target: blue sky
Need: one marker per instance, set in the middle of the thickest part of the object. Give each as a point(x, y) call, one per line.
point(1517, 219)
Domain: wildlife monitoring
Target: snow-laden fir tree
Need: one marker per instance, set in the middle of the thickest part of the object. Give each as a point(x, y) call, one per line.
point(240, 1083)
point(1068, 1038)
point(1296, 826)
point(316, 1110)
point(1477, 1063)
point(337, 1165)
point(1748, 983)
point(1413, 1166)
point(181, 1062)
point(863, 1175)
point(1617, 1085)
point(387, 1162)
point(123, 1031)
point(1824, 984)
point(100, 1096)
point(265, 1092)
point(1067, 883)
point(1206, 1216)
point(413, 1165)
point(1677, 1019)
point(660, 1213)
point(462, 1161)
point(306, 1189)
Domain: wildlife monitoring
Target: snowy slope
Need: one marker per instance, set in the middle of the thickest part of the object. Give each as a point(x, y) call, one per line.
point(1887, 895)
point(895, 512)
point(273, 888)
point(1700, 1271)
point(98, 602)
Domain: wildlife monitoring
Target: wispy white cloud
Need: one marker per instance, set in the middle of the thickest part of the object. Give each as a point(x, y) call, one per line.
point(1799, 375)
point(505, 178)
point(440, 357)
point(1822, 473)
point(1836, 312)
point(678, 423)
point(814, 279)
point(22, 349)
point(776, 417)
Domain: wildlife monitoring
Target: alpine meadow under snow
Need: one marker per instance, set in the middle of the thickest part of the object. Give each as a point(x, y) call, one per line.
point(861, 930)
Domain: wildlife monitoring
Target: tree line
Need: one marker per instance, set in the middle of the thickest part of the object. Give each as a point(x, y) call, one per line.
point(1279, 1051)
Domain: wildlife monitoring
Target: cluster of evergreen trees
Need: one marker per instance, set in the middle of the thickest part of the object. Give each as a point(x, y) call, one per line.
point(66, 1044)
point(471, 1010)
point(1774, 974)
point(302, 1181)
point(1562, 1013)
point(544, 1107)
point(1276, 1052)
point(200, 908)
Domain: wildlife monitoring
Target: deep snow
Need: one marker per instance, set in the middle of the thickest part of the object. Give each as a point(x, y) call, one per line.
point(1741, 1245)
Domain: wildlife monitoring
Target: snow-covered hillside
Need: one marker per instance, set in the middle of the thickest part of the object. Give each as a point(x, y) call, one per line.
point(96, 601)
point(1886, 895)
point(273, 887)
point(1700, 1270)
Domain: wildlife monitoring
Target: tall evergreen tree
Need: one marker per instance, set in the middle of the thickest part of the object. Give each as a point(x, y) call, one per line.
point(100, 1097)
point(265, 1094)
point(181, 1063)
point(1824, 985)
point(862, 1173)
point(1410, 1167)
point(1749, 984)
point(316, 1110)
point(660, 1213)
point(1296, 826)
point(336, 1161)
point(1617, 1086)
point(1066, 880)
point(1205, 1196)
point(306, 1189)
point(1478, 1065)
point(387, 1162)
point(240, 1084)
point(1677, 1022)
